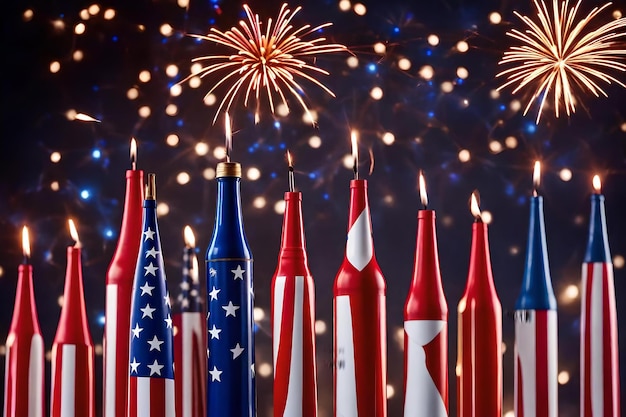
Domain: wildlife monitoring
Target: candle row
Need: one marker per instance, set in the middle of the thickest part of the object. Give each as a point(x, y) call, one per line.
point(141, 347)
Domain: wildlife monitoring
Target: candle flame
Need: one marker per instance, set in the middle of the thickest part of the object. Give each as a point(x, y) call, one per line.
point(133, 152)
point(289, 159)
point(74, 233)
point(190, 239)
point(355, 153)
point(536, 177)
point(25, 242)
point(474, 207)
point(422, 187)
point(85, 118)
point(229, 136)
point(597, 184)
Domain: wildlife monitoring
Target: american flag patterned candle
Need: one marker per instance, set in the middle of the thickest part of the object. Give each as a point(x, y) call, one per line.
point(119, 285)
point(151, 356)
point(190, 337)
point(360, 321)
point(72, 378)
point(535, 380)
point(293, 317)
point(24, 362)
point(230, 340)
point(599, 350)
point(426, 325)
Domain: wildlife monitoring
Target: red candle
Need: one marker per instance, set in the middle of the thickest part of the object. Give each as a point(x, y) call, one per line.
point(293, 317)
point(119, 286)
point(360, 328)
point(479, 366)
point(24, 372)
point(426, 325)
point(72, 351)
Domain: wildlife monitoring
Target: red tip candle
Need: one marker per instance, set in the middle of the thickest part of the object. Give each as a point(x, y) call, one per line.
point(293, 317)
point(72, 351)
point(24, 372)
point(479, 365)
point(360, 329)
point(426, 325)
point(119, 286)
point(599, 350)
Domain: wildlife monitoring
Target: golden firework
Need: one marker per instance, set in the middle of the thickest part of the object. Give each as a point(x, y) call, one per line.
point(266, 61)
point(561, 55)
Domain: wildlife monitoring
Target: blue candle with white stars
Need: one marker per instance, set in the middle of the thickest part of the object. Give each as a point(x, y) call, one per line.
point(230, 339)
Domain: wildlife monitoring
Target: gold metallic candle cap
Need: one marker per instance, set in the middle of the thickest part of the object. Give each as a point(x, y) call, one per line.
point(228, 169)
point(151, 187)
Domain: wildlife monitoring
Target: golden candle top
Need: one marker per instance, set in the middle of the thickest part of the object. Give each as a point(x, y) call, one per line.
point(228, 169)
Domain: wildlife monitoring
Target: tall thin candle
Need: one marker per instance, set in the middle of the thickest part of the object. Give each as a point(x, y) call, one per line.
point(535, 381)
point(360, 330)
point(293, 316)
point(599, 350)
point(24, 369)
point(426, 324)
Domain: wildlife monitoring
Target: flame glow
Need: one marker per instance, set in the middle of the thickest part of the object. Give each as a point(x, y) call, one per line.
point(355, 148)
point(229, 136)
point(537, 176)
point(289, 159)
point(422, 187)
point(25, 242)
point(190, 239)
point(133, 150)
point(474, 207)
point(74, 233)
point(597, 184)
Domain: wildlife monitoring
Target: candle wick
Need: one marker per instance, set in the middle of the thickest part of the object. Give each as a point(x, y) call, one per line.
point(292, 181)
point(26, 259)
point(355, 168)
point(535, 194)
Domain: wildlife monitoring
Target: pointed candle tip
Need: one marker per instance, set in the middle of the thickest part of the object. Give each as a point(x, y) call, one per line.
point(151, 187)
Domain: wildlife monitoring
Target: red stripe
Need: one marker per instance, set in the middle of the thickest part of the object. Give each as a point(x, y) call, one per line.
point(122, 347)
point(542, 385)
point(177, 322)
point(157, 397)
point(198, 377)
point(436, 352)
point(84, 389)
point(586, 334)
point(610, 352)
point(520, 390)
point(283, 359)
point(132, 397)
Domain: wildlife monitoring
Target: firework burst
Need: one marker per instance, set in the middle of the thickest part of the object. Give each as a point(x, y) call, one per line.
point(562, 56)
point(266, 62)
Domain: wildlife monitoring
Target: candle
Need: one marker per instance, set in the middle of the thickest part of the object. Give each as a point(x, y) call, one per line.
point(479, 365)
point(535, 381)
point(230, 383)
point(599, 350)
point(24, 364)
point(426, 324)
point(190, 337)
point(293, 316)
point(360, 330)
point(119, 287)
point(73, 382)
point(151, 389)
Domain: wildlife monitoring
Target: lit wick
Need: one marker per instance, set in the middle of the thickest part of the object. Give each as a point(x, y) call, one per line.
point(25, 245)
point(292, 181)
point(74, 234)
point(229, 137)
point(597, 185)
point(133, 154)
point(536, 178)
point(151, 187)
point(474, 207)
point(355, 155)
point(422, 188)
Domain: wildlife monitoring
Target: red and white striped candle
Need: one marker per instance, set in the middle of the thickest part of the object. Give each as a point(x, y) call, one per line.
point(599, 350)
point(360, 329)
point(426, 325)
point(24, 369)
point(293, 317)
point(73, 389)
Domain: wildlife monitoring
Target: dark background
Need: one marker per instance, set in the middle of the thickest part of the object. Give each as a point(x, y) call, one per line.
point(430, 128)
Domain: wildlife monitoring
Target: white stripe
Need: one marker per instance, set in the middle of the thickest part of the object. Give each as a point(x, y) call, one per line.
point(7, 366)
point(68, 380)
point(360, 248)
point(583, 331)
point(596, 327)
point(279, 297)
point(345, 395)
point(187, 365)
point(35, 377)
point(422, 395)
point(110, 346)
point(525, 350)
point(170, 398)
point(293, 405)
point(553, 359)
point(53, 377)
point(143, 397)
